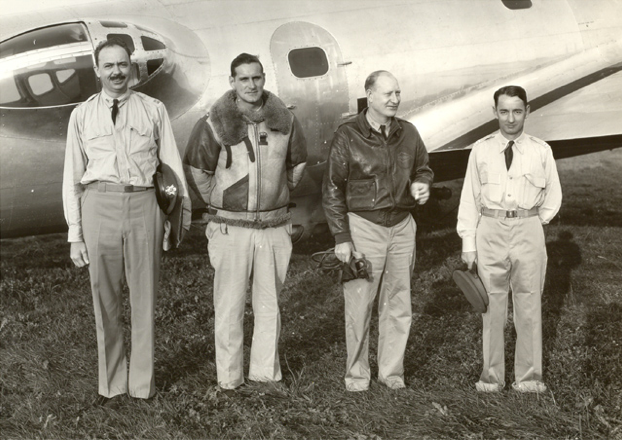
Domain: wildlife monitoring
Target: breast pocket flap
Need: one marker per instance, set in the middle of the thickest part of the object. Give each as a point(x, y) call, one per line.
point(539, 182)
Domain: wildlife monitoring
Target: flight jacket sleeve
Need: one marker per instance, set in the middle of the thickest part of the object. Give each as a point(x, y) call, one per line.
point(296, 155)
point(201, 159)
point(334, 188)
point(169, 154)
point(74, 169)
point(421, 172)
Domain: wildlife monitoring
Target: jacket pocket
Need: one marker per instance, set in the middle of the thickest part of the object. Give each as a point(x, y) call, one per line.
point(361, 194)
point(235, 198)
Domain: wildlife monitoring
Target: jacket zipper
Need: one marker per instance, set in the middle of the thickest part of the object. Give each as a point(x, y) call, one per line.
point(258, 165)
point(392, 170)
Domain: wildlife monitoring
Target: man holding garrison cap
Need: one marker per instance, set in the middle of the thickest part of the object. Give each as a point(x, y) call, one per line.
point(115, 142)
point(511, 188)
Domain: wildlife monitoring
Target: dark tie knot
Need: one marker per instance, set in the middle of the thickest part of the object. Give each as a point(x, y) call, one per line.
point(383, 130)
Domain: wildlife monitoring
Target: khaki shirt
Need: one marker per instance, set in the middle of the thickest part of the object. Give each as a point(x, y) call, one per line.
point(127, 152)
point(532, 181)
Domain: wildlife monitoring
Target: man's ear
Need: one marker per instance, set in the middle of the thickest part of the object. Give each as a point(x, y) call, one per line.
point(494, 111)
point(527, 111)
point(232, 82)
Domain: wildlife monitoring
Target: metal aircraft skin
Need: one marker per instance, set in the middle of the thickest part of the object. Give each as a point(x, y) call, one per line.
point(448, 55)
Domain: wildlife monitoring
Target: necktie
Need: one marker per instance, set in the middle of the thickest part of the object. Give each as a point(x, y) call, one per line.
point(509, 154)
point(115, 110)
point(383, 130)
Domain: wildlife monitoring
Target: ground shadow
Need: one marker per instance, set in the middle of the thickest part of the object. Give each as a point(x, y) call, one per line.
point(564, 255)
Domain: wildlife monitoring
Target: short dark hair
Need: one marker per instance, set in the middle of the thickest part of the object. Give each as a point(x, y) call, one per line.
point(111, 42)
point(511, 91)
point(244, 58)
point(370, 82)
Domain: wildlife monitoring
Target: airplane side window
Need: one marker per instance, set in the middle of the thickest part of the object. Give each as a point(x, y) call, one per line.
point(153, 65)
point(40, 84)
point(152, 44)
point(125, 38)
point(53, 83)
point(308, 62)
point(517, 4)
point(65, 75)
point(112, 24)
point(9, 94)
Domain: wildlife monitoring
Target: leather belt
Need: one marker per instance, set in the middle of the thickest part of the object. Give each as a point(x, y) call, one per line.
point(518, 213)
point(116, 187)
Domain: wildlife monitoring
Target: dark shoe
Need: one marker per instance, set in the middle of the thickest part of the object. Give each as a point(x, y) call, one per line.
point(108, 402)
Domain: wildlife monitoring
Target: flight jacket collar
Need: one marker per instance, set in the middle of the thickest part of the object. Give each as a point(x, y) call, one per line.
point(231, 126)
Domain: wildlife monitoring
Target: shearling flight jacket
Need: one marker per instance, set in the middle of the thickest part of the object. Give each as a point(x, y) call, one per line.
point(243, 166)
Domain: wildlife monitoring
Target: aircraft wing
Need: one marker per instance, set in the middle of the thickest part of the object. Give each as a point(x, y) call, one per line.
point(576, 106)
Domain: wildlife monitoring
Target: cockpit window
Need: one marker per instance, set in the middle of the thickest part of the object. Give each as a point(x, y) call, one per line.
point(308, 62)
point(44, 38)
point(47, 67)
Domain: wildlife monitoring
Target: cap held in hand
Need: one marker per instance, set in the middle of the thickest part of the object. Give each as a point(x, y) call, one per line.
point(471, 285)
point(169, 195)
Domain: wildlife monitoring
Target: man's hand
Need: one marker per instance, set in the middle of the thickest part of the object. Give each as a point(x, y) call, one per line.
point(420, 191)
point(469, 258)
point(78, 254)
point(343, 251)
point(166, 242)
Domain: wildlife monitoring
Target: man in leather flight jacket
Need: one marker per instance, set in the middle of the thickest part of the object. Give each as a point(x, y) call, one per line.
point(243, 159)
point(377, 172)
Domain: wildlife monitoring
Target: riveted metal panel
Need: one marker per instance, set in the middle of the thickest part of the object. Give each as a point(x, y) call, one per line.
point(320, 101)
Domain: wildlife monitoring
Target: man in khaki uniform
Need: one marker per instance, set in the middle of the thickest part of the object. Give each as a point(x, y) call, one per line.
point(115, 142)
point(511, 188)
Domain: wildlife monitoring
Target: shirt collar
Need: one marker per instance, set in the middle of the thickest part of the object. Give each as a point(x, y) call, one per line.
point(373, 124)
point(109, 101)
point(365, 126)
point(502, 142)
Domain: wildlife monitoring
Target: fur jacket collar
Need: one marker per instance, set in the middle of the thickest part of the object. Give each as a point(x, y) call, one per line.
point(231, 126)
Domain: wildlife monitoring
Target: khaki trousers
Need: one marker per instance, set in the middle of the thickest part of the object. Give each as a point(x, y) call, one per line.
point(391, 254)
point(511, 253)
point(237, 254)
point(123, 232)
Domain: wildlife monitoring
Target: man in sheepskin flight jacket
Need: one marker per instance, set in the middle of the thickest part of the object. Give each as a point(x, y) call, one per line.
point(243, 159)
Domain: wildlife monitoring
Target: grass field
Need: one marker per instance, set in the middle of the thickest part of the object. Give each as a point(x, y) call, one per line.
point(48, 354)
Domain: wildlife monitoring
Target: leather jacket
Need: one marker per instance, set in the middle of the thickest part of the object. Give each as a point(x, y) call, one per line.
point(371, 176)
point(245, 169)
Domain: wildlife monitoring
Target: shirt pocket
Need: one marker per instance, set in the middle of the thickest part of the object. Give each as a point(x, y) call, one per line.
point(531, 189)
point(99, 142)
point(361, 194)
point(491, 186)
point(142, 145)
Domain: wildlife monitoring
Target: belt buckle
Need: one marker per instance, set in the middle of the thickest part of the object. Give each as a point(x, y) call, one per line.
point(511, 214)
point(128, 188)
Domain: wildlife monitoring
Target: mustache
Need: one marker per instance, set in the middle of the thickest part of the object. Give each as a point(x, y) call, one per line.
point(118, 76)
